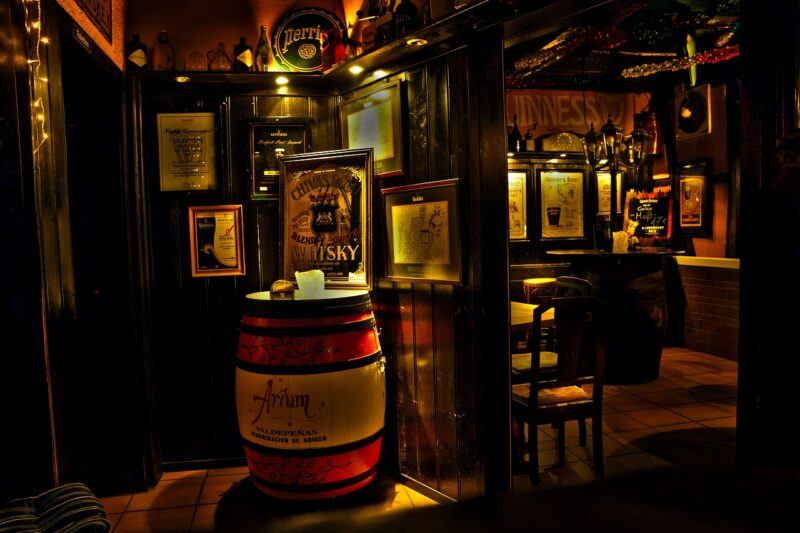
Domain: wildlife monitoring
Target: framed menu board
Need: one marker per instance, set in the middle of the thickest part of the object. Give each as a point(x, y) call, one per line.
point(694, 200)
point(517, 205)
point(216, 240)
point(326, 199)
point(269, 141)
point(561, 195)
point(648, 216)
point(187, 152)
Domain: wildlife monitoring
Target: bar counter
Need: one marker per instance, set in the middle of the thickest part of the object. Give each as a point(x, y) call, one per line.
point(632, 285)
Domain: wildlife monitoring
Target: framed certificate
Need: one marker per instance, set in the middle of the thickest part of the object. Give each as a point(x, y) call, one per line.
point(694, 200)
point(560, 200)
point(517, 205)
point(424, 242)
point(215, 240)
point(269, 141)
point(326, 202)
point(372, 119)
point(187, 152)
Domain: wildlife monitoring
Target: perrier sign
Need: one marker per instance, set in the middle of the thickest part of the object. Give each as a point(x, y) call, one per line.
point(325, 205)
point(297, 40)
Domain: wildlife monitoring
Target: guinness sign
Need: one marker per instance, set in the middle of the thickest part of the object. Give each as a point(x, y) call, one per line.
point(297, 40)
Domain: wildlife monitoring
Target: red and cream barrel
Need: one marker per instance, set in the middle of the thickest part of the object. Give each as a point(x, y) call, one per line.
point(310, 393)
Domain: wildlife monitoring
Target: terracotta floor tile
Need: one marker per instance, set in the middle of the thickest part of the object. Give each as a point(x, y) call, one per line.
point(399, 501)
point(174, 520)
point(728, 422)
point(574, 473)
point(710, 378)
point(203, 520)
point(170, 493)
point(113, 518)
point(620, 422)
point(657, 417)
point(623, 404)
point(626, 464)
point(676, 383)
point(729, 406)
point(669, 397)
point(586, 453)
point(418, 499)
point(115, 504)
point(216, 486)
point(699, 411)
point(713, 392)
point(184, 474)
point(228, 471)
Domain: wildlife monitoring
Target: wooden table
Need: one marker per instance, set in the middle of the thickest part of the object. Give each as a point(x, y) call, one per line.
point(522, 317)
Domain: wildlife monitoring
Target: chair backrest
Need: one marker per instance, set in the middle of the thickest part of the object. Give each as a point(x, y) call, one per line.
point(580, 337)
point(572, 286)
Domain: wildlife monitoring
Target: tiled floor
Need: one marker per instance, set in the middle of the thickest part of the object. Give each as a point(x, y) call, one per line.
point(686, 417)
point(190, 501)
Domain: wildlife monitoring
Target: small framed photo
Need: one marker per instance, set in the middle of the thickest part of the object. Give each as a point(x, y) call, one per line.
point(270, 140)
point(216, 240)
point(326, 214)
point(694, 199)
point(187, 152)
point(604, 192)
point(424, 243)
point(372, 119)
point(518, 205)
point(561, 203)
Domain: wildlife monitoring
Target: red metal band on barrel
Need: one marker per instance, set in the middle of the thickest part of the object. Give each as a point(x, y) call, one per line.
point(286, 495)
point(310, 350)
point(304, 322)
point(313, 470)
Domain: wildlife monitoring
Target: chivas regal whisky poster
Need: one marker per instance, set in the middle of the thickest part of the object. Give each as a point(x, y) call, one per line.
point(326, 207)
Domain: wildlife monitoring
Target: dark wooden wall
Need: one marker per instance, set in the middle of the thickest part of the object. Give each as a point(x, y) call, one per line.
point(195, 320)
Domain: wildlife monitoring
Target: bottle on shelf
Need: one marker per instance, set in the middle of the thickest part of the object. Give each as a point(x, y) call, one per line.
point(218, 60)
point(136, 55)
point(162, 57)
point(406, 18)
point(514, 138)
point(262, 51)
point(242, 56)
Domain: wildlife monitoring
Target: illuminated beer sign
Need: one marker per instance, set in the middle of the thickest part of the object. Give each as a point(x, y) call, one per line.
point(297, 40)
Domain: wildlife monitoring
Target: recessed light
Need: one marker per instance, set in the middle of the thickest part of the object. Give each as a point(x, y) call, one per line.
point(281, 80)
point(356, 69)
point(283, 89)
point(416, 42)
point(510, 154)
point(183, 79)
point(379, 74)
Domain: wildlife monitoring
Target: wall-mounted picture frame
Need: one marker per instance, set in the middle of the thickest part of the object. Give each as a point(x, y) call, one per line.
point(371, 118)
point(271, 139)
point(326, 200)
point(423, 235)
point(187, 151)
point(216, 240)
point(603, 182)
point(694, 199)
point(518, 204)
point(561, 203)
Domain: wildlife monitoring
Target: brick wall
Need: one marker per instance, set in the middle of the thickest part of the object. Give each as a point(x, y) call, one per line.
point(711, 310)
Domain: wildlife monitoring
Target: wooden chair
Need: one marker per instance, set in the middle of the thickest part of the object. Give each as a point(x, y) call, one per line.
point(557, 397)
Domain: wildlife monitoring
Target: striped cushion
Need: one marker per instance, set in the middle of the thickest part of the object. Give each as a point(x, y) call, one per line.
point(71, 507)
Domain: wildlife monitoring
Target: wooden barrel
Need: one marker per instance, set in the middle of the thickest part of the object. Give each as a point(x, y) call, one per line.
point(310, 394)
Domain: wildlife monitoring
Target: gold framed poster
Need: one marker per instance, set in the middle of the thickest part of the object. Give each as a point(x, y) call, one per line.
point(372, 119)
point(604, 192)
point(187, 152)
point(216, 240)
point(561, 203)
point(424, 242)
point(517, 205)
point(694, 200)
point(326, 203)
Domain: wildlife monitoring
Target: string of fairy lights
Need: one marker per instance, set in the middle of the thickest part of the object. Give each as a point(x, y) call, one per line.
point(36, 80)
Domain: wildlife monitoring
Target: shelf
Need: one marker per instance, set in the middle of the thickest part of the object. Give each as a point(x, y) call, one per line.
point(306, 84)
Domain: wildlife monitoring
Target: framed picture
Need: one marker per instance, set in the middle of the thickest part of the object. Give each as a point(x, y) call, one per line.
point(216, 240)
point(187, 152)
point(648, 216)
point(269, 141)
point(561, 203)
point(326, 208)
point(604, 192)
point(372, 119)
point(424, 243)
point(694, 200)
point(517, 205)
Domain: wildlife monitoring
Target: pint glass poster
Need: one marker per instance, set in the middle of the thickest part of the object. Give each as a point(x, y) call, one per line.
point(215, 240)
point(326, 207)
point(517, 200)
point(561, 204)
point(186, 151)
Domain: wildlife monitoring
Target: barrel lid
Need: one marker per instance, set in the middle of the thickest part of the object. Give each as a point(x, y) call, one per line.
point(333, 301)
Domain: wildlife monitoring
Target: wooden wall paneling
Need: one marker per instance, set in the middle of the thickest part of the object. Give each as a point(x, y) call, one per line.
point(418, 168)
point(438, 119)
point(387, 315)
point(445, 382)
point(406, 382)
point(324, 124)
point(424, 364)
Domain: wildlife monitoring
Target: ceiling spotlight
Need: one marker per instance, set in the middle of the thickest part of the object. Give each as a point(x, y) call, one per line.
point(416, 42)
point(183, 79)
point(379, 74)
point(281, 80)
point(356, 69)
